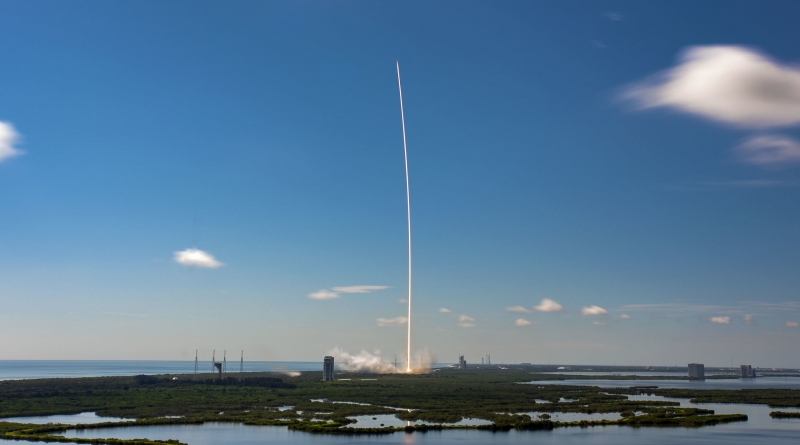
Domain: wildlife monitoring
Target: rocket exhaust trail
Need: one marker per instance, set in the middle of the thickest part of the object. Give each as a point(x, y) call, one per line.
point(408, 204)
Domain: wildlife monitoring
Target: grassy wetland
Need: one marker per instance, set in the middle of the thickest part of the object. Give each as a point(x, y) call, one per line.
point(305, 403)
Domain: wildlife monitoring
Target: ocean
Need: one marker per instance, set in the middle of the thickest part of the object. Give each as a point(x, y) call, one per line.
point(44, 369)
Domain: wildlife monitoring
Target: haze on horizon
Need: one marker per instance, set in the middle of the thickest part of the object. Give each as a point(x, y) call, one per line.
point(591, 183)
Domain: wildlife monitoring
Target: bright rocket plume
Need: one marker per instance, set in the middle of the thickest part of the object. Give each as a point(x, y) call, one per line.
point(408, 206)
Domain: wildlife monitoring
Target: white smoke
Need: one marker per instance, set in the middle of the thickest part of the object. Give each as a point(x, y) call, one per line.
point(363, 362)
point(423, 361)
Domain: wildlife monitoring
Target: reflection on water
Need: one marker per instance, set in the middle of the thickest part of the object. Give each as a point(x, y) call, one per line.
point(65, 418)
point(573, 417)
point(381, 420)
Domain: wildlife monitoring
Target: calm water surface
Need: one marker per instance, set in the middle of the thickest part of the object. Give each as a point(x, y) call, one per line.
point(65, 418)
point(42, 369)
point(757, 383)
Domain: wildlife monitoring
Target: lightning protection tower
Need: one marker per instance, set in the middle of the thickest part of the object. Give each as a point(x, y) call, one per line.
point(241, 363)
point(195, 362)
point(225, 361)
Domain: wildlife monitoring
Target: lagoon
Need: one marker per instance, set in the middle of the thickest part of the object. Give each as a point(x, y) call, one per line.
point(736, 383)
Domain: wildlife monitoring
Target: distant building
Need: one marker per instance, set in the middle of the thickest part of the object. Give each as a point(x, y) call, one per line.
point(697, 371)
point(327, 368)
point(462, 364)
point(746, 371)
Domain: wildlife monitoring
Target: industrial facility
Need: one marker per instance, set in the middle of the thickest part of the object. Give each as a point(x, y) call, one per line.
point(327, 368)
point(746, 371)
point(697, 371)
point(462, 364)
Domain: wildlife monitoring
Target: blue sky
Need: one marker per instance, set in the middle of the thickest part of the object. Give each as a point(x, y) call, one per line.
point(641, 157)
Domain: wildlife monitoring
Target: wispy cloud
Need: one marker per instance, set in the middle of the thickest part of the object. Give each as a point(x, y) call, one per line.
point(720, 320)
point(678, 308)
point(403, 300)
point(548, 305)
point(748, 319)
point(593, 310)
point(444, 310)
point(731, 84)
point(786, 306)
point(522, 322)
point(197, 258)
point(8, 138)
point(792, 324)
point(325, 294)
point(599, 44)
point(769, 150)
point(615, 16)
point(519, 309)
point(361, 289)
point(599, 323)
point(465, 321)
point(624, 316)
point(387, 322)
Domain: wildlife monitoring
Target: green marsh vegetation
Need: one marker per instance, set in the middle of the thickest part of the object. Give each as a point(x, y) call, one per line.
point(439, 400)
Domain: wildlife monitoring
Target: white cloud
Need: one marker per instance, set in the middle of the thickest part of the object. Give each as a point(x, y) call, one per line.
point(792, 324)
point(522, 322)
point(769, 150)
point(593, 310)
point(197, 258)
point(363, 289)
point(599, 323)
point(465, 321)
point(518, 309)
point(624, 316)
point(403, 300)
point(323, 294)
point(748, 319)
point(731, 84)
point(8, 137)
point(444, 310)
point(615, 16)
point(397, 321)
point(548, 305)
point(721, 320)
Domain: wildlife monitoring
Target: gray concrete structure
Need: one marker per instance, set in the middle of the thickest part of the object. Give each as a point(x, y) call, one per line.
point(327, 368)
point(697, 371)
point(746, 371)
